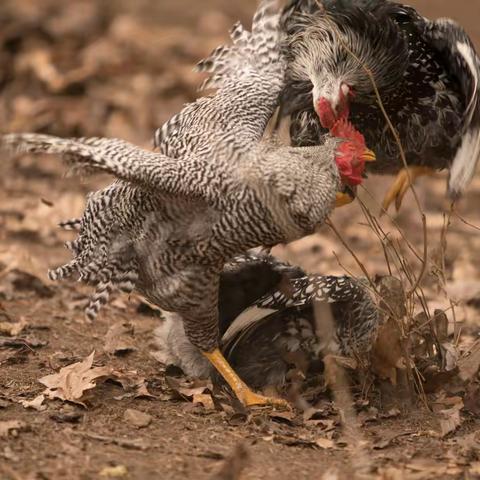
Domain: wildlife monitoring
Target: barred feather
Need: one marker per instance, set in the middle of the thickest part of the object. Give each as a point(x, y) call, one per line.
point(170, 222)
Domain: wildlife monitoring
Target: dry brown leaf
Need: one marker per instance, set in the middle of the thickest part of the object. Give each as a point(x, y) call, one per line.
point(204, 399)
point(36, 403)
point(474, 469)
point(450, 356)
point(11, 426)
point(325, 443)
point(132, 382)
point(331, 474)
point(130, 443)
point(137, 418)
point(114, 472)
point(118, 339)
point(469, 365)
point(187, 389)
point(12, 329)
point(450, 420)
point(73, 380)
point(391, 473)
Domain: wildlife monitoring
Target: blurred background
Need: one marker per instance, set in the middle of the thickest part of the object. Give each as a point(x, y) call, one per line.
point(120, 68)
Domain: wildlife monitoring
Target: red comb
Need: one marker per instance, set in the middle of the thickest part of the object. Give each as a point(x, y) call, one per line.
point(344, 129)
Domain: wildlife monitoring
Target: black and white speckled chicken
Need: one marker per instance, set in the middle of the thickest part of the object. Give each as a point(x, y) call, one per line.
point(268, 323)
point(427, 73)
point(216, 189)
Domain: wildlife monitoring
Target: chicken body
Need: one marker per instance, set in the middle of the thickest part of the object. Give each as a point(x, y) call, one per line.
point(268, 323)
point(215, 190)
point(427, 73)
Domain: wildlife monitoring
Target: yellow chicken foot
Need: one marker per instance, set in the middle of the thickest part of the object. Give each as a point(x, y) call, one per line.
point(243, 393)
point(343, 199)
point(402, 183)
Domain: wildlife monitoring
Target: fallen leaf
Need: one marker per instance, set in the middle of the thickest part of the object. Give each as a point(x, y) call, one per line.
point(114, 472)
point(133, 383)
point(450, 420)
point(12, 328)
point(137, 418)
point(119, 339)
point(73, 380)
point(387, 440)
point(295, 441)
point(11, 426)
point(469, 365)
point(450, 356)
point(20, 342)
point(331, 474)
point(325, 443)
point(204, 399)
point(36, 403)
point(368, 416)
point(392, 413)
point(238, 418)
point(187, 388)
point(474, 469)
point(130, 443)
point(316, 414)
point(391, 473)
point(67, 417)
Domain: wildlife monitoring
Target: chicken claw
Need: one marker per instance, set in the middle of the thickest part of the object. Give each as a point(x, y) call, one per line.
point(241, 390)
point(403, 181)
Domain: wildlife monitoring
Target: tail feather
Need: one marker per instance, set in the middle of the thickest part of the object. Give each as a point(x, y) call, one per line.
point(465, 163)
point(72, 224)
point(250, 52)
point(453, 42)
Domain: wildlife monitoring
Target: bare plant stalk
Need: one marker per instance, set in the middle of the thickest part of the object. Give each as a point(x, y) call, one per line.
point(464, 221)
point(396, 136)
point(338, 383)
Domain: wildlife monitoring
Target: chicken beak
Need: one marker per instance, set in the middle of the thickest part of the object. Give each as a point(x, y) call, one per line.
point(344, 198)
point(368, 156)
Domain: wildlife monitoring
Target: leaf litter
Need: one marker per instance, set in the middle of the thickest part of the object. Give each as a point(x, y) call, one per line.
point(121, 74)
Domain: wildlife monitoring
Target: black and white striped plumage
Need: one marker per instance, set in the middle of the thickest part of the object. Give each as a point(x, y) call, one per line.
point(427, 73)
point(174, 218)
point(267, 319)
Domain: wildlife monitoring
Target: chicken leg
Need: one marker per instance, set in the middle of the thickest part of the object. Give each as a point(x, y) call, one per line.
point(402, 183)
point(241, 390)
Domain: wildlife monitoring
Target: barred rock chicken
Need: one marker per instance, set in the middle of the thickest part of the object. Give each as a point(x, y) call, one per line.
point(427, 73)
point(216, 189)
point(267, 322)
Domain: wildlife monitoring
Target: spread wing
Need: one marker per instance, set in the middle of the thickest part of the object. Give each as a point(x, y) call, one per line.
point(189, 177)
point(248, 76)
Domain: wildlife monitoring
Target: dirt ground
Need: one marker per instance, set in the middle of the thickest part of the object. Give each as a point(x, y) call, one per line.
point(121, 68)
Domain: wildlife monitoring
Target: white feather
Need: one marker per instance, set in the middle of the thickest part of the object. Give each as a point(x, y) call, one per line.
point(467, 156)
point(245, 319)
point(470, 58)
point(465, 163)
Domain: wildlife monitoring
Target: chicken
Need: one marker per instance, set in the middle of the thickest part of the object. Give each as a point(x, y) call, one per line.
point(267, 322)
point(427, 73)
point(173, 218)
